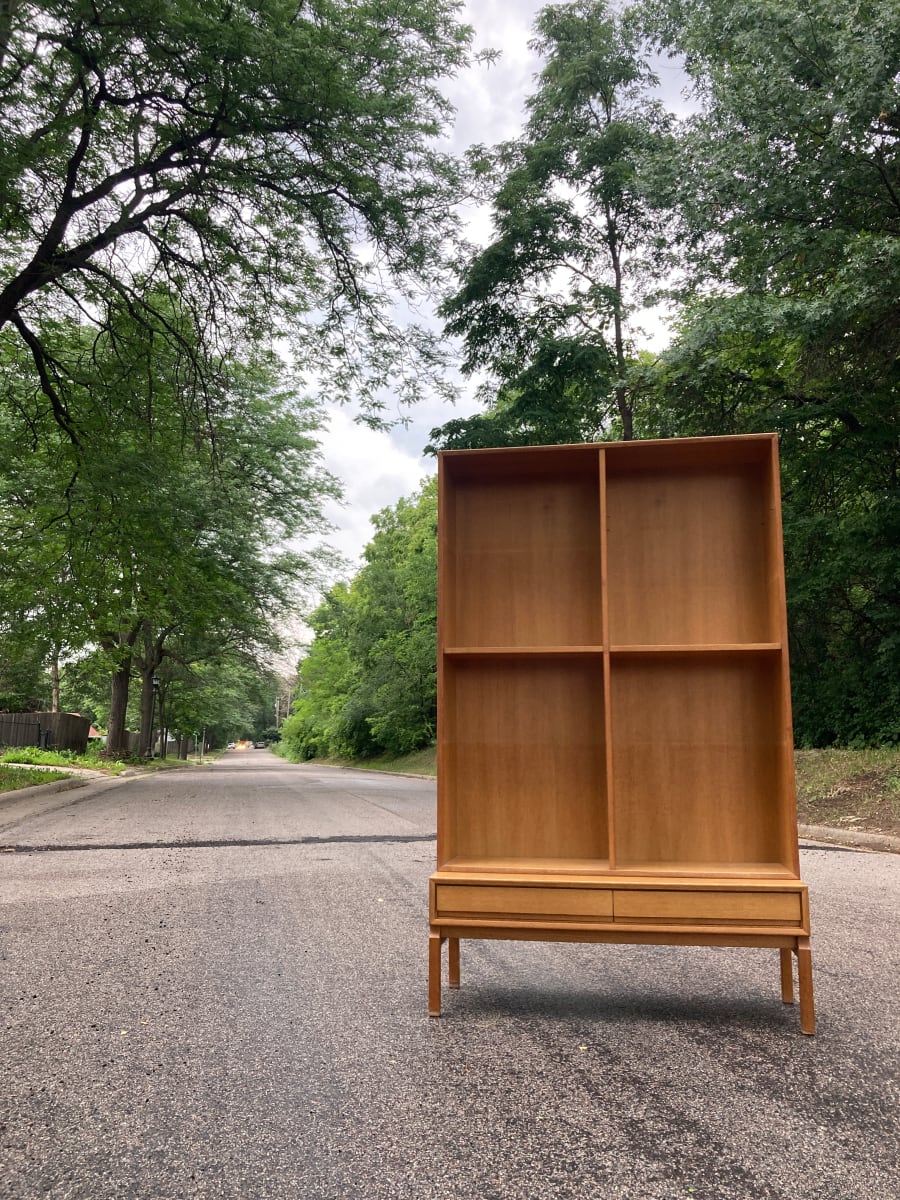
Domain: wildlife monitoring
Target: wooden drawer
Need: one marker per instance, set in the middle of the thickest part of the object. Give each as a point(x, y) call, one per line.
point(517, 901)
point(780, 908)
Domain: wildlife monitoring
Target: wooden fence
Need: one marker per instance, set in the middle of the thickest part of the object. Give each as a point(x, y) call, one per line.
point(50, 731)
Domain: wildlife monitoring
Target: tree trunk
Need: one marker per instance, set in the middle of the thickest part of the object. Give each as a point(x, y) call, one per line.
point(54, 682)
point(148, 664)
point(623, 400)
point(117, 735)
point(148, 700)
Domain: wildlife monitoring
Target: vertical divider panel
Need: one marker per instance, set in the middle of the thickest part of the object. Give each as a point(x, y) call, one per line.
point(787, 832)
point(607, 681)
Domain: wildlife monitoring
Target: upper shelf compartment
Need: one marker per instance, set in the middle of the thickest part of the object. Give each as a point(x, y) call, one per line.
point(693, 542)
point(520, 562)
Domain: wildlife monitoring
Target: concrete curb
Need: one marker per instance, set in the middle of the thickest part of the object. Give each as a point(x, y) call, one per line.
point(364, 770)
point(854, 839)
point(36, 790)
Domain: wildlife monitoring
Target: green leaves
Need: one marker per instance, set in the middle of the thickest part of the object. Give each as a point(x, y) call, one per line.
point(255, 159)
point(155, 531)
point(579, 212)
point(368, 683)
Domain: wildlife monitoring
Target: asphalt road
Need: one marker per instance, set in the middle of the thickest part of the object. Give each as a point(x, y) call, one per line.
point(213, 984)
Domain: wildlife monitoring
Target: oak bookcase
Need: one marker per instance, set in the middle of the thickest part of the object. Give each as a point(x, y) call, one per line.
point(615, 753)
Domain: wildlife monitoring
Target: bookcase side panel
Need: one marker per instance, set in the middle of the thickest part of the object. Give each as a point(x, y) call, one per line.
point(445, 541)
point(778, 600)
point(524, 759)
point(609, 777)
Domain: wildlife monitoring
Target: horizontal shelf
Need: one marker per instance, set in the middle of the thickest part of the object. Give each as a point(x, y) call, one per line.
point(524, 651)
point(700, 648)
point(712, 870)
point(527, 866)
point(585, 867)
point(640, 648)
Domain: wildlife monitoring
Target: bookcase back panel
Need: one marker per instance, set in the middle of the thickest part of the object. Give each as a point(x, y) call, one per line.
point(689, 555)
point(523, 560)
point(697, 759)
point(523, 759)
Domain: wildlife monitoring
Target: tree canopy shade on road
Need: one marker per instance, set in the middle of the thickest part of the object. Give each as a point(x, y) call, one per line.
point(270, 162)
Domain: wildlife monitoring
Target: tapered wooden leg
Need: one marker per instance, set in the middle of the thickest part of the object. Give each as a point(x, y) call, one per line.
point(804, 979)
point(787, 976)
point(453, 962)
point(434, 974)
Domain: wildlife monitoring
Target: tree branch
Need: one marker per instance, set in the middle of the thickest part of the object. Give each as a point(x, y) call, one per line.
point(41, 362)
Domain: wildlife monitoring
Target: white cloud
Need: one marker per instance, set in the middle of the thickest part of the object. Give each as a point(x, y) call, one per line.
point(375, 472)
point(489, 98)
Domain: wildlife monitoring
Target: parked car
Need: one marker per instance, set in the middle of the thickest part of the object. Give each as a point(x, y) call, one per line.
point(259, 745)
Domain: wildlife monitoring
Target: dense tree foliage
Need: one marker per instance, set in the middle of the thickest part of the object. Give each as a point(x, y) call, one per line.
point(270, 162)
point(581, 208)
point(182, 182)
point(168, 533)
point(224, 696)
point(24, 678)
point(368, 684)
point(783, 207)
point(177, 177)
point(790, 202)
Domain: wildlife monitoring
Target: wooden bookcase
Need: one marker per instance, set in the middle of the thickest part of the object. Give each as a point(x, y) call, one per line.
point(615, 753)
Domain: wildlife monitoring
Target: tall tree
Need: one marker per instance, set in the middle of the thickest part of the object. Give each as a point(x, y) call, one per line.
point(790, 195)
point(165, 529)
point(270, 162)
point(580, 216)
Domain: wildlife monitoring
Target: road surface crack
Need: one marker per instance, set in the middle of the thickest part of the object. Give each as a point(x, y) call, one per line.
point(216, 843)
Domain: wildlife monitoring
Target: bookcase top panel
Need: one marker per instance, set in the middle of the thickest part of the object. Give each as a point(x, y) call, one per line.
point(644, 454)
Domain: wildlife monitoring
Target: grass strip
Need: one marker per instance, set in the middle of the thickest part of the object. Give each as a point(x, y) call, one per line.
point(12, 778)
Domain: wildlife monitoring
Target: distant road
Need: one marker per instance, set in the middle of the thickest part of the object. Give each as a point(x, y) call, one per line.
point(213, 984)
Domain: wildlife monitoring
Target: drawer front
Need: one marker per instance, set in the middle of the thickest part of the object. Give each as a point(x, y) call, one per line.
point(780, 908)
point(510, 901)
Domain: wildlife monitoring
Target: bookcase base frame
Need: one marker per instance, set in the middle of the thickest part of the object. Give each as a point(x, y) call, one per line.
point(788, 946)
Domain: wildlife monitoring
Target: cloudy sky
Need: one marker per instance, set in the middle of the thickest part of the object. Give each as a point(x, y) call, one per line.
point(378, 468)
